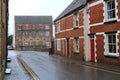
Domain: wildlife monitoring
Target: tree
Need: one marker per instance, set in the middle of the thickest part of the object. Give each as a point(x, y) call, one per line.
point(9, 40)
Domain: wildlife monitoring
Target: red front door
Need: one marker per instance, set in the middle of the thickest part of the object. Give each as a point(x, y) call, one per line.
point(92, 50)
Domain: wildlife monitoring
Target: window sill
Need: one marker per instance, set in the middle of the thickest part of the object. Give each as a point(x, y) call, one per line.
point(110, 21)
point(77, 53)
point(76, 28)
point(114, 56)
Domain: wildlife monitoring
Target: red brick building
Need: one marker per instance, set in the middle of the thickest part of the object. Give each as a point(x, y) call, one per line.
point(104, 23)
point(89, 30)
point(33, 32)
point(3, 36)
point(70, 31)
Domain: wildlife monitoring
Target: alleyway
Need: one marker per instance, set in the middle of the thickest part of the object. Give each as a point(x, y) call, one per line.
point(53, 67)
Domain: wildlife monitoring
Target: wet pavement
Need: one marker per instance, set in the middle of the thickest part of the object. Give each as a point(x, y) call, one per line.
point(18, 72)
point(54, 67)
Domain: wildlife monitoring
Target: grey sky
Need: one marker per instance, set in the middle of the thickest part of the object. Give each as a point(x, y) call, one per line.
point(35, 7)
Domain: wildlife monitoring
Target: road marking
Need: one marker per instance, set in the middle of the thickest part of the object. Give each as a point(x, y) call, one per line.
point(29, 70)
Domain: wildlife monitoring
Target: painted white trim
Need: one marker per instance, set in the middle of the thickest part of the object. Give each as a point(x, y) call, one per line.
point(97, 24)
point(118, 20)
point(101, 33)
point(58, 46)
point(116, 9)
point(71, 37)
point(60, 39)
point(106, 48)
point(86, 32)
point(95, 3)
point(105, 14)
point(63, 47)
point(74, 46)
point(101, 23)
point(95, 45)
point(80, 37)
point(66, 47)
point(68, 29)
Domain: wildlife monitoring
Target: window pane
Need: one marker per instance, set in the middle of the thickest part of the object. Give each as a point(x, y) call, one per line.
point(19, 34)
point(113, 13)
point(40, 27)
point(111, 9)
point(108, 6)
point(114, 38)
point(40, 43)
point(112, 43)
point(47, 43)
point(113, 4)
point(114, 48)
point(110, 48)
point(109, 39)
point(47, 33)
point(40, 34)
point(76, 45)
point(47, 27)
point(109, 16)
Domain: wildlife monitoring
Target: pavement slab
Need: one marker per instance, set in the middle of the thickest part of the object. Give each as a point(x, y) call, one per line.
point(18, 72)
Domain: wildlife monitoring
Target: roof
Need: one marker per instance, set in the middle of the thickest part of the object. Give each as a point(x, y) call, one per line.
point(76, 4)
point(33, 19)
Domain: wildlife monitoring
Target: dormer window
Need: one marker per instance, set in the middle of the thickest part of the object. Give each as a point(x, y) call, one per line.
point(110, 10)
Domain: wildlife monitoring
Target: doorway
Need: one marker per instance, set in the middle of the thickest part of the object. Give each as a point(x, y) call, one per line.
point(67, 47)
point(92, 49)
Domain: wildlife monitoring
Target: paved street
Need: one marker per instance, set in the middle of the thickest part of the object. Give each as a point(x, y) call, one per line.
point(53, 67)
point(18, 72)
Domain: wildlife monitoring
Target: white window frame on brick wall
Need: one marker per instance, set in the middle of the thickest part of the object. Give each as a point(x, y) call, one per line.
point(112, 42)
point(47, 44)
point(47, 27)
point(58, 45)
point(47, 33)
point(58, 26)
point(109, 11)
point(76, 20)
point(19, 27)
point(76, 45)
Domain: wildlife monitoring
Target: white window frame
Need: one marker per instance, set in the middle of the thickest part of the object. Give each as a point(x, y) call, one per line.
point(27, 27)
point(107, 53)
point(19, 33)
point(47, 44)
point(40, 34)
point(76, 18)
point(58, 26)
point(47, 33)
point(40, 27)
point(58, 45)
point(19, 27)
point(47, 27)
point(106, 11)
point(76, 43)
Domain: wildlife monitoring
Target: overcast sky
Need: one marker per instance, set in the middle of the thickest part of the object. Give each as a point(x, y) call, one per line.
point(35, 7)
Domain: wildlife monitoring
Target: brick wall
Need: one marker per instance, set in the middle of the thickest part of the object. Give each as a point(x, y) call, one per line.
point(37, 39)
point(68, 31)
point(100, 51)
point(96, 14)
